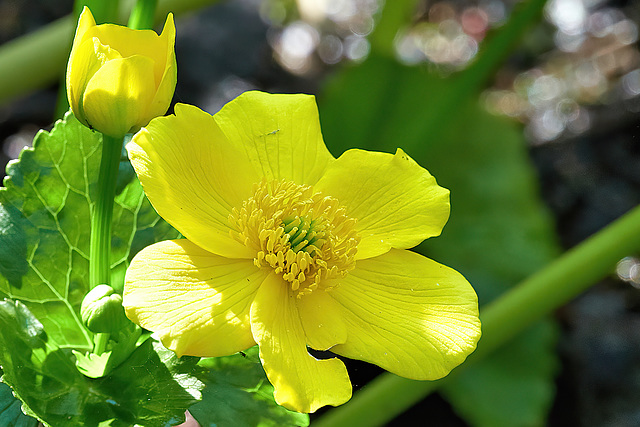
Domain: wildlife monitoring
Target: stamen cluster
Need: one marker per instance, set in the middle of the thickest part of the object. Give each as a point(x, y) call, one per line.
point(302, 235)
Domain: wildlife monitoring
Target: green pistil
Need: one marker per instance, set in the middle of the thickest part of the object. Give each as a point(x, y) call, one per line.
point(302, 234)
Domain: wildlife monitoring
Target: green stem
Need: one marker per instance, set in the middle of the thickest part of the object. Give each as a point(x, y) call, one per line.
point(100, 343)
point(555, 285)
point(142, 15)
point(100, 246)
point(100, 242)
point(562, 280)
point(395, 15)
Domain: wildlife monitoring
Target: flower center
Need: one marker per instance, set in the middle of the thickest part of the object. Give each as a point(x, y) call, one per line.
point(304, 236)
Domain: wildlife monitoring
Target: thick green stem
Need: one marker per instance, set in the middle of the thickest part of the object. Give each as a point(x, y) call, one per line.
point(389, 395)
point(142, 15)
point(561, 281)
point(100, 243)
point(100, 246)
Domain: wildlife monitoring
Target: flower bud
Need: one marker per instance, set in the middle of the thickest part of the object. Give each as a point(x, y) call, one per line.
point(102, 310)
point(118, 79)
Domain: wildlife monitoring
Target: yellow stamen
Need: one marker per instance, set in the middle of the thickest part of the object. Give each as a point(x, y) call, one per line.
point(302, 235)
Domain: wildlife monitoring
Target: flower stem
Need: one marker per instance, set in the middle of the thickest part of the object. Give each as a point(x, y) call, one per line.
point(389, 395)
point(100, 242)
point(142, 15)
point(100, 343)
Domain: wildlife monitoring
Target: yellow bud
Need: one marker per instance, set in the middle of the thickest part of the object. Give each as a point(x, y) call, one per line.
point(118, 79)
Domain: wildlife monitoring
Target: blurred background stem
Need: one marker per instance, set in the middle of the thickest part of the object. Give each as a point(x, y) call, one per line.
point(395, 16)
point(143, 15)
point(476, 76)
point(389, 395)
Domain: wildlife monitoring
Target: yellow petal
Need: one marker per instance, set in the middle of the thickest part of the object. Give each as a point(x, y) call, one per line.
point(166, 71)
point(397, 203)
point(315, 308)
point(196, 301)
point(139, 42)
point(85, 22)
point(408, 314)
point(193, 177)
point(280, 133)
point(115, 94)
point(79, 67)
point(84, 62)
point(302, 383)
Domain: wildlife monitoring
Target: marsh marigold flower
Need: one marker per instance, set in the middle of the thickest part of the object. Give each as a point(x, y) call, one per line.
point(288, 248)
point(118, 78)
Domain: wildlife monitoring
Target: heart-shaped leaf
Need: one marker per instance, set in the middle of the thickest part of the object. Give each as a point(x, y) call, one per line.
point(45, 222)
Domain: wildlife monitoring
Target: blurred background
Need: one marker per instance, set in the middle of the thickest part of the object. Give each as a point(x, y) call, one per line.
point(568, 97)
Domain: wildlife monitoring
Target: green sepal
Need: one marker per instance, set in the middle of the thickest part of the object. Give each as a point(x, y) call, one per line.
point(120, 346)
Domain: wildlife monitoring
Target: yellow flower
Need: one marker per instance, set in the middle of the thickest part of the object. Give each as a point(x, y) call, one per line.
point(118, 78)
point(288, 247)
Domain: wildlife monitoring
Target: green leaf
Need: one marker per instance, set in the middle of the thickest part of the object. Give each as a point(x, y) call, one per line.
point(151, 385)
point(10, 413)
point(151, 388)
point(499, 231)
point(239, 394)
point(45, 219)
